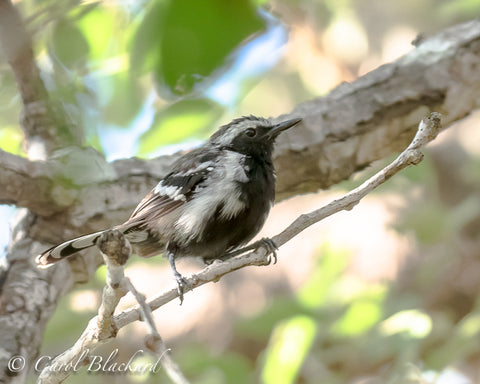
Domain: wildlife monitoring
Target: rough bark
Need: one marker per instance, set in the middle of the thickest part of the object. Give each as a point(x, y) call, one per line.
point(45, 126)
point(376, 115)
point(76, 191)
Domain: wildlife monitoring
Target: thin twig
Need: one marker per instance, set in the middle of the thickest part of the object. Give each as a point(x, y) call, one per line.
point(428, 129)
point(115, 250)
point(154, 342)
point(94, 334)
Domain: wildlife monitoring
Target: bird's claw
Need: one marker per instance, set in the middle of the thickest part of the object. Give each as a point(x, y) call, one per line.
point(181, 284)
point(266, 243)
point(271, 248)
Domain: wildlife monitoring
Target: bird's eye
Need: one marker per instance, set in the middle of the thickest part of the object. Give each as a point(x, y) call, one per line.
point(250, 132)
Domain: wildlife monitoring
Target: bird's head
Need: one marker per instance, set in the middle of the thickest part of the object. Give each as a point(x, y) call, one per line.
point(250, 134)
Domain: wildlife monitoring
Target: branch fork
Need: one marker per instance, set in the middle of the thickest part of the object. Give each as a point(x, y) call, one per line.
point(116, 250)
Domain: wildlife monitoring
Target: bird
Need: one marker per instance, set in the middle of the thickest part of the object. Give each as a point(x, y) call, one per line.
point(213, 200)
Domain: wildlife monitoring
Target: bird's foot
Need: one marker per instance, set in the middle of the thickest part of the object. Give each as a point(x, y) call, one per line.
point(181, 281)
point(181, 284)
point(266, 243)
point(271, 248)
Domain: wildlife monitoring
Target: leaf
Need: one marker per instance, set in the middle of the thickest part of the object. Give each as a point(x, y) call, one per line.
point(69, 44)
point(413, 323)
point(182, 120)
point(125, 98)
point(11, 140)
point(186, 41)
point(97, 26)
point(359, 318)
point(288, 347)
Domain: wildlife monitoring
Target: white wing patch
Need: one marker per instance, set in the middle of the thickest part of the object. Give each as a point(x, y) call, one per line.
point(171, 191)
point(208, 165)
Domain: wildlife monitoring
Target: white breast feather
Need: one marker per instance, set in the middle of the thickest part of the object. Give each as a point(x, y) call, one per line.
point(223, 183)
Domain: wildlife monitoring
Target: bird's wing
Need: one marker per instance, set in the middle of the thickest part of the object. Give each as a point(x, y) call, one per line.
point(175, 189)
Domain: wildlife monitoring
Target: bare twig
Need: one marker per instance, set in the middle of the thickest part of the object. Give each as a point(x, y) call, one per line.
point(104, 326)
point(428, 129)
point(154, 341)
point(115, 250)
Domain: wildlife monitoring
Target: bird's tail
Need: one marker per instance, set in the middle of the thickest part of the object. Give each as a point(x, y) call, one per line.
point(66, 249)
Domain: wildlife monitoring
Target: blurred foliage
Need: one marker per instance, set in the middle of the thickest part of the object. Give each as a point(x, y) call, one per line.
point(146, 67)
point(195, 116)
point(11, 140)
point(288, 347)
point(191, 39)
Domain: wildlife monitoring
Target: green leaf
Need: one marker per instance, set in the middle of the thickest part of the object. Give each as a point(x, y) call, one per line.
point(70, 45)
point(288, 347)
point(97, 26)
point(124, 98)
point(413, 323)
point(188, 40)
point(145, 43)
point(359, 318)
point(331, 264)
point(11, 140)
point(182, 120)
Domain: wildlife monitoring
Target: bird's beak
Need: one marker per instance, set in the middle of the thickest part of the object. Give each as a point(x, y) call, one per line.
point(279, 128)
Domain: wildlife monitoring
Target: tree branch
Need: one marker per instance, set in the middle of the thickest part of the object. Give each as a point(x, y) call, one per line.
point(376, 115)
point(26, 183)
point(115, 250)
point(28, 298)
point(341, 133)
point(52, 187)
point(428, 129)
point(154, 341)
point(44, 125)
point(97, 332)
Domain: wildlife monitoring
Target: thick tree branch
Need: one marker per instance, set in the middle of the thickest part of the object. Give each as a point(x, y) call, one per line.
point(26, 183)
point(44, 125)
point(52, 187)
point(28, 298)
point(376, 115)
point(343, 132)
